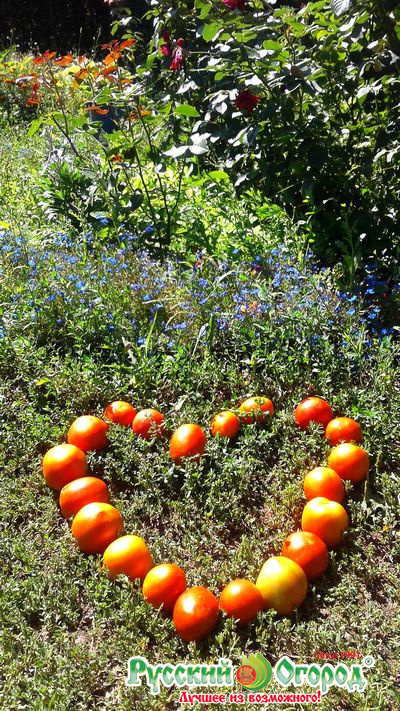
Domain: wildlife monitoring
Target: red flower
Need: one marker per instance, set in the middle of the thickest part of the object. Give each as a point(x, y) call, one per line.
point(166, 48)
point(246, 101)
point(177, 56)
point(235, 4)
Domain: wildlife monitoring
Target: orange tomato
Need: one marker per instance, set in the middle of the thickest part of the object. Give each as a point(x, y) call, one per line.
point(128, 555)
point(95, 526)
point(225, 424)
point(75, 495)
point(323, 481)
point(120, 412)
point(148, 423)
point(242, 600)
point(62, 464)
point(349, 461)
point(163, 585)
point(256, 409)
point(196, 614)
point(283, 584)
point(308, 551)
point(343, 429)
point(327, 519)
point(187, 441)
point(88, 432)
point(313, 409)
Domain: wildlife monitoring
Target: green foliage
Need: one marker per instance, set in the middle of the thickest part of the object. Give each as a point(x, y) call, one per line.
point(323, 139)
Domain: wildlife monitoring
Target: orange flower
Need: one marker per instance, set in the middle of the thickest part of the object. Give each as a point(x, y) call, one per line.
point(97, 110)
point(46, 57)
point(64, 61)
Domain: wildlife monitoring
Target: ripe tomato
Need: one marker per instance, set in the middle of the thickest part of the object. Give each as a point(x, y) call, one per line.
point(88, 432)
point(75, 495)
point(225, 424)
point(163, 585)
point(95, 526)
point(187, 441)
point(256, 409)
point(343, 429)
point(242, 600)
point(327, 519)
point(196, 614)
point(308, 551)
point(283, 584)
point(62, 464)
point(120, 412)
point(349, 461)
point(323, 481)
point(313, 409)
point(128, 555)
point(148, 423)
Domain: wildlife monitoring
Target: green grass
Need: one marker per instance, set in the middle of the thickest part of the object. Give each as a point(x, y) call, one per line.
point(66, 630)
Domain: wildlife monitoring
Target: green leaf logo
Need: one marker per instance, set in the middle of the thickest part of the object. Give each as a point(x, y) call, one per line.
point(255, 673)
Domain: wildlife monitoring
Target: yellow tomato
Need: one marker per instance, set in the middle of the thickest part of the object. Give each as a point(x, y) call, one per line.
point(283, 584)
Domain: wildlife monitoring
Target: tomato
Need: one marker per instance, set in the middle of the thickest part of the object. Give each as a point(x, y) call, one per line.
point(242, 600)
point(163, 585)
point(313, 409)
point(187, 441)
point(225, 424)
point(62, 464)
point(95, 526)
point(88, 432)
point(75, 495)
point(128, 555)
point(350, 462)
point(283, 584)
point(120, 412)
point(256, 409)
point(327, 519)
point(323, 481)
point(343, 429)
point(148, 423)
point(196, 614)
point(308, 551)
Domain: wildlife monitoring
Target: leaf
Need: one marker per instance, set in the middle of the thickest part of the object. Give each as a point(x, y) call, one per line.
point(176, 151)
point(210, 31)
point(187, 110)
point(272, 44)
point(198, 150)
point(218, 175)
point(34, 127)
point(340, 6)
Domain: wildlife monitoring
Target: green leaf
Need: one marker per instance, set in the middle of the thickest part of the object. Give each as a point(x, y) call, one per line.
point(218, 175)
point(210, 31)
point(271, 44)
point(186, 110)
point(34, 127)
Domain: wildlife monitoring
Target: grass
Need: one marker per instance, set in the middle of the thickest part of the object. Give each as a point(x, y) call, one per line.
point(75, 335)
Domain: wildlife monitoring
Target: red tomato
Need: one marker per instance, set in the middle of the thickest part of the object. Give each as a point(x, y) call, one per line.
point(62, 464)
point(242, 600)
point(163, 585)
point(88, 432)
point(225, 424)
point(148, 423)
point(313, 409)
point(187, 441)
point(327, 519)
point(343, 429)
point(323, 481)
point(95, 526)
point(120, 412)
point(350, 462)
point(256, 409)
point(308, 551)
point(75, 495)
point(195, 614)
